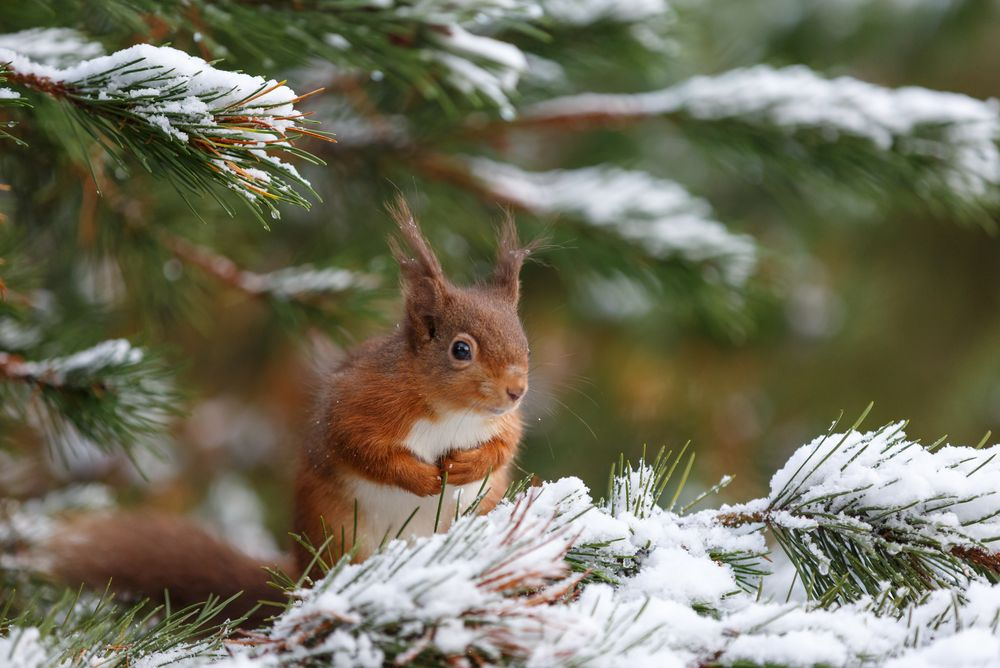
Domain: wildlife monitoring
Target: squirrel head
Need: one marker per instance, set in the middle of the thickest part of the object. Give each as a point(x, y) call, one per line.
point(467, 344)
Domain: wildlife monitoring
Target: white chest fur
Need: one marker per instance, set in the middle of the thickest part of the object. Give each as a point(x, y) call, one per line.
point(459, 430)
point(385, 510)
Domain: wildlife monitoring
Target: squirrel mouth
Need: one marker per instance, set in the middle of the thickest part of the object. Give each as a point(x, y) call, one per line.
point(504, 410)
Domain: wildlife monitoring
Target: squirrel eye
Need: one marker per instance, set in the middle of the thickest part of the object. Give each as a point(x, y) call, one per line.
point(461, 351)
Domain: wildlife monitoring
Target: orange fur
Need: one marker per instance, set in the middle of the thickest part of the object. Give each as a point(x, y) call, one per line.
point(147, 553)
point(385, 386)
point(396, 416)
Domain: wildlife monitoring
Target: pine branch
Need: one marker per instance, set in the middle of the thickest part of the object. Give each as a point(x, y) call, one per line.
point(182, 119)
point(936, 148)
point(113, 395)
point(399, 605)
point(9, 98)
point(305, 285)
point(65, 628)
point(443, 51)
point(872, 514)
point(658, 215)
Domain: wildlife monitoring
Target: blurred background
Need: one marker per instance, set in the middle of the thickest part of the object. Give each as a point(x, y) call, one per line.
point(848, 287)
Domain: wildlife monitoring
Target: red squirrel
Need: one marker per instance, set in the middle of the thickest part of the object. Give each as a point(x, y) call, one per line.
point(439, 396)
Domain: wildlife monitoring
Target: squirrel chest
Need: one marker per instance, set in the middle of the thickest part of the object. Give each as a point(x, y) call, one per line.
point(388, 510)
point(455, 430)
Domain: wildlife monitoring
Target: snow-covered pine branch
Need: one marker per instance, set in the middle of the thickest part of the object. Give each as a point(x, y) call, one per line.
point(586, 12)
point(873, 513)
point(87, 630)
point(455, 53)
point(929, 143)
point(499, 589)
point(659, 215)
point(181, 118)
point(305, 285)
point(670, 576)
point(113, 395)
point(469, 592)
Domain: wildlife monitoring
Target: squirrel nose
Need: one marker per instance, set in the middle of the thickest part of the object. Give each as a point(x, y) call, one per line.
point(515, 392)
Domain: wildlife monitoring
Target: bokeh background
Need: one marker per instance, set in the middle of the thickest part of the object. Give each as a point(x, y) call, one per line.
point(858, 294)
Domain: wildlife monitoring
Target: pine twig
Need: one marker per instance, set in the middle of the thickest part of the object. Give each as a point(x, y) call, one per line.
point(303, 285)
point(183, 119)
point(112, 394)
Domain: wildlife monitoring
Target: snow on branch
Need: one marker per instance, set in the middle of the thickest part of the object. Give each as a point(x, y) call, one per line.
point(434, 596)
point(178, 115)
point(55, 47)
point(658, 215)
point(859, 512)
point(112, 395)
point(672, 601)
point(500, 589)
point(949, 135)
point(304, 285)
point(586, 12)
point(480, 65)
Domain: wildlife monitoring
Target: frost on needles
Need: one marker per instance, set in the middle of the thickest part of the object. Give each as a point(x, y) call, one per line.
point(181, 118)
point(554, 577)
point(941, 145)
point(112, 395)
point(658, 215)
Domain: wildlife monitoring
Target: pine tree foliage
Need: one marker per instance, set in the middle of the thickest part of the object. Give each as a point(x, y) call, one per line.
point(422, 44)
point(505, 588)
point(907, 142)
point(86, 630)
point(111, 394)
point(877, 515)
point(180, 117)
point(133, 131)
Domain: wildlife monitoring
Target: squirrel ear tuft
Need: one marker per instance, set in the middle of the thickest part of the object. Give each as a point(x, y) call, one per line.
point(422, 263)
point(510, 257)
point(424, 283)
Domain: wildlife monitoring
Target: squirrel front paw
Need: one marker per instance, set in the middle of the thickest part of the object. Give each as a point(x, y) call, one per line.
point(467, 466)
point(424, 481)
